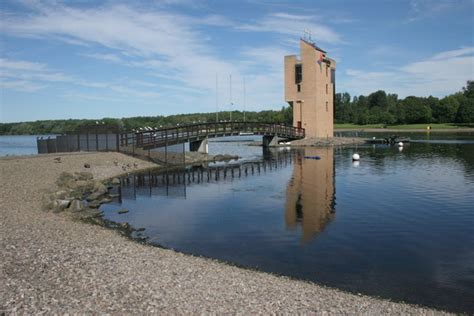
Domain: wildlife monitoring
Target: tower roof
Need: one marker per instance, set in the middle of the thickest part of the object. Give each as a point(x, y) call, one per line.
point(314, 45)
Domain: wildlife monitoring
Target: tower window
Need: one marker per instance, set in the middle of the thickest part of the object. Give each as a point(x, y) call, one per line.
point(327, 89)
point(327, 106)
point(327, 67)
point(298, 87)
point(298, 73)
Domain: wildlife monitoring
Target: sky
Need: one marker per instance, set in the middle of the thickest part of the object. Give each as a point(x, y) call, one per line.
point(95, 59)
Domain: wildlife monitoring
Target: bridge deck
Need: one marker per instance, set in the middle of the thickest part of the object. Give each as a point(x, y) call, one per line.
point(154, 138)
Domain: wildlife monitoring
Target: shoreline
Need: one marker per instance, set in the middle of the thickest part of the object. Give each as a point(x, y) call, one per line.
point(408, 130)
point(56, 265)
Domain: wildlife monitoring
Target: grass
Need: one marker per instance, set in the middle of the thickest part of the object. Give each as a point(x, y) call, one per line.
point(405, 126)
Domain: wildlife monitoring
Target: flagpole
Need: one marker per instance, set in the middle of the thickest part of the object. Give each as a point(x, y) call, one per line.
point(244, 99)
point(230, 88)
point(217, 100)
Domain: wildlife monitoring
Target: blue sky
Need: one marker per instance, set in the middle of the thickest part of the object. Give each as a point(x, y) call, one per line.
point(94, 59)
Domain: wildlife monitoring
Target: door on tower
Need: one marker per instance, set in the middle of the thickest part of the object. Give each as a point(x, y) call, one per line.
point(298, 124)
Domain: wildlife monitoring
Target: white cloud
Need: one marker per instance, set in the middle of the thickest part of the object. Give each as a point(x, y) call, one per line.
point(21, 65)
point(454, 53)
point(105, 57)
point(168, 40)
point(422, 9)
point(169, 46)
point(20, 85)
point(442, 74)
point(26, 76)
point(294, 25)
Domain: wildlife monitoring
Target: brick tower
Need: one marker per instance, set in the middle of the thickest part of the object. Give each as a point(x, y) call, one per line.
point(310, 84)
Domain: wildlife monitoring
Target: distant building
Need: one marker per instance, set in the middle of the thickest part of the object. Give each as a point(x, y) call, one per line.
point(310, 83)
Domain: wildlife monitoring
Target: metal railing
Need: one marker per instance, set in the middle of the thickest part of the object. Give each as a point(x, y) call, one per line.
point(154, 138)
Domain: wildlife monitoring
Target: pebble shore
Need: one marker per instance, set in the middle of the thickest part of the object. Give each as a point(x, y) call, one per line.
point(52, 264)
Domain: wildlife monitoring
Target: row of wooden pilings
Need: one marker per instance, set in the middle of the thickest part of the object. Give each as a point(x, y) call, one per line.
point(199, 175)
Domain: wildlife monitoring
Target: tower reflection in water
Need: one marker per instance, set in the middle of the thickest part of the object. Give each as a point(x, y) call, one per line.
point(310, 195)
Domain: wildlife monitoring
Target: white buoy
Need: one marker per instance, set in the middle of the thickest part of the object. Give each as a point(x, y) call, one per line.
point(400, 144)
point(355, 157)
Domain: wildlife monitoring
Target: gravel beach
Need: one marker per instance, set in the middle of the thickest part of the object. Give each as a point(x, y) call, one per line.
point(52, 264)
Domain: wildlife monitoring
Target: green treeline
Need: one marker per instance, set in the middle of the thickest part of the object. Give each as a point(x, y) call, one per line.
point(376, 108)
point(127, 124)
point(383, 108)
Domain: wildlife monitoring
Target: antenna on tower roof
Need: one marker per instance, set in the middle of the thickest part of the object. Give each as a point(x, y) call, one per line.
point(307, 34)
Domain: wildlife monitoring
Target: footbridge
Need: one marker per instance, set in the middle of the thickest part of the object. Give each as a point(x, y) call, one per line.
point(197, 135)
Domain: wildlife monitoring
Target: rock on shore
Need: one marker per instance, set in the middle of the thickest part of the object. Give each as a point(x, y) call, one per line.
point(331, 141)
point(52, 264)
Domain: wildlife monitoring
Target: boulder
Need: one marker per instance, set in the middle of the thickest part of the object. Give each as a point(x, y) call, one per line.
point(99, 187)
point(84, 175)
point(71, 184)
point(105, 200)
point(83, 184)
point(125, 226)
point(76, 206)
point(94, 204)
point(94, 196)
point(64, 179)
point(61, 194)
point(60, 205)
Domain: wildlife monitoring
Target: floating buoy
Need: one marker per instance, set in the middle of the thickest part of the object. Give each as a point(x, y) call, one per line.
point(400, 144)
point(355, 157)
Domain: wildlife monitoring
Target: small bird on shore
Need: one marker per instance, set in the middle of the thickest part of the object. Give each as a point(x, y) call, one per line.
point(115, 162)
point(86, 165)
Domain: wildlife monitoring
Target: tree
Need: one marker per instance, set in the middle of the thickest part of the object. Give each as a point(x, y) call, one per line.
point(446, 109)
point(468, 90)
point(379, 99)
point(466, 111)
point(415, 110)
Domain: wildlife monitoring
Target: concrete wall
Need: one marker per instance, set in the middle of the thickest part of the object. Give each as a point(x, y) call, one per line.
point(314, 104)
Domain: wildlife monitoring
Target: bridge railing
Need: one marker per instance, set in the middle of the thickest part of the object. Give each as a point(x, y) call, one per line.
point(178, 134)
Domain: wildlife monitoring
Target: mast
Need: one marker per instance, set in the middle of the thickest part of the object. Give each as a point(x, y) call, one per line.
point(230, 95)
point(217, 100)
point(244, 99)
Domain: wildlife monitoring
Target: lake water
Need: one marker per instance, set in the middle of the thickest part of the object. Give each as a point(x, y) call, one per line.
point(398, 224)
point(18, 145)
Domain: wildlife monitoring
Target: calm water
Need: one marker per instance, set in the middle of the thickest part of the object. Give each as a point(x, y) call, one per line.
point(398, 224)
point(18, 145)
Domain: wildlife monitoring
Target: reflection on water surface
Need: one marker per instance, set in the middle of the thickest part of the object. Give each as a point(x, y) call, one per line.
point(397, 225)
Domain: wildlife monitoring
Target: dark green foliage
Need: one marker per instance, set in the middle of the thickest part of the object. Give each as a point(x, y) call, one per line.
point(387, 109)
point(285, 115)
point(466, 111)
point(415, 110)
